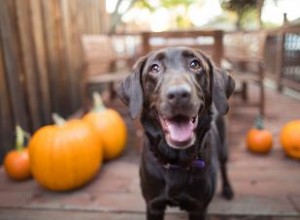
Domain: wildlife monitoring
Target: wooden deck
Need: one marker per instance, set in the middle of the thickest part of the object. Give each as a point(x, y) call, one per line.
point(266, 187)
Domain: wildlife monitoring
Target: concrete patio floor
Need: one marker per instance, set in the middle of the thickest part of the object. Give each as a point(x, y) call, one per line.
point(266, 187)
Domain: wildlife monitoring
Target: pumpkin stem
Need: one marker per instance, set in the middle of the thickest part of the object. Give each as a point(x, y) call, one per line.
point(98, 102)
point(259, 122)
point(20, 137)
point(58, 120)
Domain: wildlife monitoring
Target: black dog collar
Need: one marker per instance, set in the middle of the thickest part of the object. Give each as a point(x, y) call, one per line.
point(199, 163)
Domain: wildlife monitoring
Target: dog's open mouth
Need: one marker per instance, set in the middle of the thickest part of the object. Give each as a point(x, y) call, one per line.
point(179, 130)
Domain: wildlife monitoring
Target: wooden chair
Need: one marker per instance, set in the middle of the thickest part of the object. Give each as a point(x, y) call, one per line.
point(100, 66)
point(245, 53)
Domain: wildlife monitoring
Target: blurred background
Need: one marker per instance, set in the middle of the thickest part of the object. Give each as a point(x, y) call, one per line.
point(54, 54)
point(219, 14)
point(42, 56)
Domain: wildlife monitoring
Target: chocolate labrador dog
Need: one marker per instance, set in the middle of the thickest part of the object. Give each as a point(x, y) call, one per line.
point(182, 98)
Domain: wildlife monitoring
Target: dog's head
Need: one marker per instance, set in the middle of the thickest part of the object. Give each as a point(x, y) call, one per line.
point(178, 85)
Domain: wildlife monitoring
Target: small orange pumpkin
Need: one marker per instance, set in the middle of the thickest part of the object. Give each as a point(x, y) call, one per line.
point(290, 138)
point(16, 162)
point(110, 127)
point(259, 140)
point(66, 155)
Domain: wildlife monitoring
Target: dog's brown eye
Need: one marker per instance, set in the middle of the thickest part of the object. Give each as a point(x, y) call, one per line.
point(195, 64)
point(154, 68)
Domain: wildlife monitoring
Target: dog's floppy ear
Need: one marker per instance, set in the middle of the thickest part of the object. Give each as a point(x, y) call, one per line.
point(130, 90)
point(223, 87)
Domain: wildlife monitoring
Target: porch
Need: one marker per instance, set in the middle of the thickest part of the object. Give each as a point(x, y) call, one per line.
point(266, 187)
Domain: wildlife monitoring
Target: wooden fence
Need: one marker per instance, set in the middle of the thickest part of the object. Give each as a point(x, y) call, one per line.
point(282, 57)
point(41, 60)
point(210, 41)
point(289, 63)
point(280, 51)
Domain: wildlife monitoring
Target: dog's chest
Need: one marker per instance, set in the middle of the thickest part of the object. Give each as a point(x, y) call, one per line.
point(182, 184)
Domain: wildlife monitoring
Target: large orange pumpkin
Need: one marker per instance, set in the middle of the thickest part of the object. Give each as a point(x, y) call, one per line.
point(110, 127)
point(259, 140)
point(66, 155)
point(16, 162)
point(290, 138)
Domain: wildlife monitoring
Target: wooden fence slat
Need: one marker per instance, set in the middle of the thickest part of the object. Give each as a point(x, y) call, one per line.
point(67, 26)
point(41, 60)
point(12, 63)
point(49, 19)
point(76, 51)
point(103, 18)
point(6, 125)
point(97, 14)
point(61, 79)
point(89, 17)
point(29, 65)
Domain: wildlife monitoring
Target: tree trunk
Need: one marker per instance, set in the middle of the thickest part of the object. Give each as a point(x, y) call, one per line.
point(116, 16)
point(259, 5)
point(238, 23)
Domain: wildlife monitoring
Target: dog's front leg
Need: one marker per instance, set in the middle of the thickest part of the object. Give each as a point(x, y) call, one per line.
point(156, 208)
point(154, 215)
point(222, 146)
point(197, 215)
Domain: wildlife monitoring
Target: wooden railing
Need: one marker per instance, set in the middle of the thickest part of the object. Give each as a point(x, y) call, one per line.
point(289, 60)
point(210, 41)
point(279, 50)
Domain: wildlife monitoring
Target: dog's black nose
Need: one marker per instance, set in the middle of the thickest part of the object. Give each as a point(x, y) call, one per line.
point(179, 94)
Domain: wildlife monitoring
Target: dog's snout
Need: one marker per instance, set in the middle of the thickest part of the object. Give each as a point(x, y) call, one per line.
point(179, 94)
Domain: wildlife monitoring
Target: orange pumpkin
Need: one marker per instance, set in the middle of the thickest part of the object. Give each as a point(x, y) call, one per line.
point(16, 162)
point(259, 140)
point(290, 139)
point(110, 127)
point(66, 155)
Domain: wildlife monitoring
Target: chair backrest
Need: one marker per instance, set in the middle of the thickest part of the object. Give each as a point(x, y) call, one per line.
point(98, 54)
point(208, 41)
point(245, 50)
point(245, 45)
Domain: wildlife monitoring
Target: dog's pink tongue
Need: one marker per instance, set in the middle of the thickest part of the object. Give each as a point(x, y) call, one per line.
point(180, 131)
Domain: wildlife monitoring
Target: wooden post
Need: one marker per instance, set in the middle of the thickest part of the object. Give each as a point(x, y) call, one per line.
point(262, 88)
point(218, 47)
point(279, 59)
point(145, 43)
